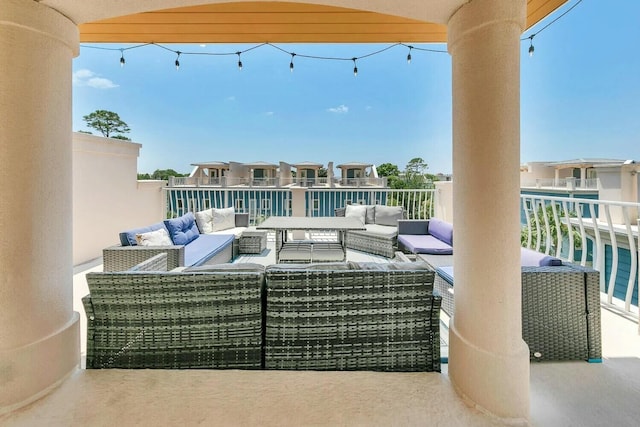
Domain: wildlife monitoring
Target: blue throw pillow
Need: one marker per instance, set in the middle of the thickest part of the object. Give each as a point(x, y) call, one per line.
point(182, 230)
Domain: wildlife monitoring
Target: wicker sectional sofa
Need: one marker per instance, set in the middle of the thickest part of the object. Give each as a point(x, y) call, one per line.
point(560, 305)
point(381, 229)
point(343, 316)
point(187, 245)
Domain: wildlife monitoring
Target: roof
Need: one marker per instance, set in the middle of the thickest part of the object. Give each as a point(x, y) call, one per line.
point(265, 165)
point(354, 165)
point(584, 163)
point(213, 164)
point(364, 21)
point(307, 165)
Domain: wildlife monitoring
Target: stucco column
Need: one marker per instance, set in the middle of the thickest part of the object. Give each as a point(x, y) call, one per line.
point(39, 331)
point(583, 177)
point(488, 360)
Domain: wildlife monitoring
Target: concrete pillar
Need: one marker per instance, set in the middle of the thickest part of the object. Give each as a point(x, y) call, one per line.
point(488, 360)
point(556, 177)
point(298, 208)
point(583, 177)
point(39, 331)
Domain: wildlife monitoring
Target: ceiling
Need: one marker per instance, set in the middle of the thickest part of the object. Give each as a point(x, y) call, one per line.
point(276, 22)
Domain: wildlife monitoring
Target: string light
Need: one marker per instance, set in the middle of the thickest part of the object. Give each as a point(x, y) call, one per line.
point(291, 66)
point(530, 38)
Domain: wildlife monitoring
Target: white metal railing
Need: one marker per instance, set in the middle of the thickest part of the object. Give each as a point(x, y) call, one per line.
point(601, 234)
point(362, 182)
point(568, 183)
point(262, 203)
point(418, 204)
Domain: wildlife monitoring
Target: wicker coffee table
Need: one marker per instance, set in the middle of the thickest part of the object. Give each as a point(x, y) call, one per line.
point(310, 250)
point(253, 241)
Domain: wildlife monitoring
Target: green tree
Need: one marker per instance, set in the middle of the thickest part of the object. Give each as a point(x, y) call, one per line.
point(165, 174)
point(388, 169)
point(144, 176)
point(565, 231)
point(414, 173)
point(322, 173)
point(124, 138)
point(106, 122)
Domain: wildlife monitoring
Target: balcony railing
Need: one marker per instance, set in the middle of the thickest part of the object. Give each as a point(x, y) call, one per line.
point(563, 183)
point(225, 181)
point(263, 203)
point(598, 233)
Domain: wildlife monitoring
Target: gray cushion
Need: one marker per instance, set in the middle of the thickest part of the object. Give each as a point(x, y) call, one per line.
point(388, 215)
point(309, 267)
point(371, 214)
point(392, 266)
point(246, 267)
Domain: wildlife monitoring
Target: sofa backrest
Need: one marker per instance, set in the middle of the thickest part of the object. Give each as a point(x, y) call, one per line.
point(441, 230)
point(128, 237)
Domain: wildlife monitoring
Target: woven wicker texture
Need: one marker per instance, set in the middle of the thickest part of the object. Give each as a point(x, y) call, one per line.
point(253, 242)
point(122, 258)
point(352, 320)
point(560, 311)
point(174, 320)
point(372, 243)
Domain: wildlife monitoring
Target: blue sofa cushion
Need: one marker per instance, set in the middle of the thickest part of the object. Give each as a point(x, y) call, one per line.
point(424, 244)
point(128, 238)
point(442, 230)
point(205, 247)
point(182, 230)
point(446, 273)
point(531, 258)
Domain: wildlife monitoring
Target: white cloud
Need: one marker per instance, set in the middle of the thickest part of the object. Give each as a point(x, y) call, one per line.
point(269, 113)
point(368, 108)
point(86, 77)
point(101, 83)
point(340, 109)
point(231, 98)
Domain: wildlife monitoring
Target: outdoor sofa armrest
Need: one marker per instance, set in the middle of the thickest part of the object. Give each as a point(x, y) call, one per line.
point(242, 219)
point(155, 263)
point(122, 258)
point(413, 226)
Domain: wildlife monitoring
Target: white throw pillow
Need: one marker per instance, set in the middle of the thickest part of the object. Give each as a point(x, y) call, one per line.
point(223, 219)
point(204, 220)
point(356, 211)
point(154, 238)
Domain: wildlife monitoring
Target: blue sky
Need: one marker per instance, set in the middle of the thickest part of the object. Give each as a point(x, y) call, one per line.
point(580, 95)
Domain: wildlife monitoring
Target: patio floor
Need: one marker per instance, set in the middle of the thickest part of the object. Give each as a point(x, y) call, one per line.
point(562, 394)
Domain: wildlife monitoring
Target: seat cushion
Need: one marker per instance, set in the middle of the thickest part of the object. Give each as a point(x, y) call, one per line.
point(183, 229)
point(381, 230)
point(441, 230)
point(236, 231)
point(424, 244)
point(205, 247)
point(531, 258)
point(446, 273)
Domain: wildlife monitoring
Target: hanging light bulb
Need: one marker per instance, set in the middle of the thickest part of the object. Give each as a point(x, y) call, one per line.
point(239, 61)
point(122, 61)
point(409, 55)
point(531, 48)
point(355, 67)
point(178, 60)
point(291, 63)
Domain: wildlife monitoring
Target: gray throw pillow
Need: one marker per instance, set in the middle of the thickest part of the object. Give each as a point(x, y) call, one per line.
point(388, 215)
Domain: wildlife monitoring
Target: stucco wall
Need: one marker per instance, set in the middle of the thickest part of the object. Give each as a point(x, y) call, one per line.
point(107, 197)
